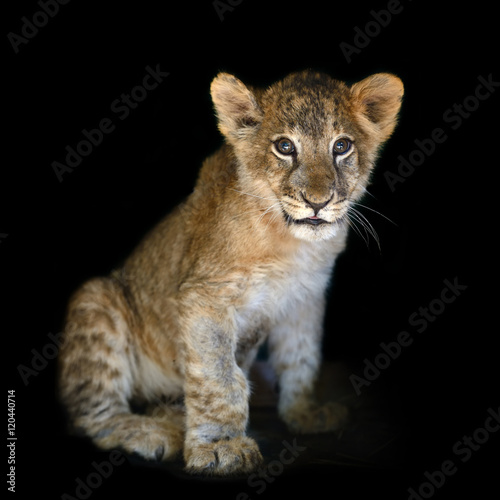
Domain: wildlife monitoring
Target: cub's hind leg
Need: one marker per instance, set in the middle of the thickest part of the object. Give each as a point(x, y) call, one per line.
point(98, 366)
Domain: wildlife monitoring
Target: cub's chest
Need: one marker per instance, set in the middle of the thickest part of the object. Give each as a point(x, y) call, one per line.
point(275, 289)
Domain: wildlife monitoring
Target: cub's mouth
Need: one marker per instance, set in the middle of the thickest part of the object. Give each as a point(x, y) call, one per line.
point(313, 228)
point(313, 221)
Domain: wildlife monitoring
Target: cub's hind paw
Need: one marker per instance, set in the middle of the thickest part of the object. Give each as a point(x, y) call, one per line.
point(319, 418)
point(144, 436)
point(223, 458)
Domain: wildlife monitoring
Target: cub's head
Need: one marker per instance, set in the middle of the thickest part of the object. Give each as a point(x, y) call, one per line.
point(308, 143)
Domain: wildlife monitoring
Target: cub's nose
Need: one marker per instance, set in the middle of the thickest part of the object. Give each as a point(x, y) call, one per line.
point(316, 206)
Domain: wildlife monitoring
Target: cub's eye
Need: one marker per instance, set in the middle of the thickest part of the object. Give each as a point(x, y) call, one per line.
point(285, 146)
point(341, 146)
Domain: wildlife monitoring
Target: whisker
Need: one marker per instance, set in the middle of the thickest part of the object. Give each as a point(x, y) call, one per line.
point(253, 195)
point(244, 214)
point(254, 210)
point(353, 218)
point(372, 210)
point(353, 226)
point(270, 219)
point(267, 211)
point(365, 223)
point(368, 193)
point(276, 214)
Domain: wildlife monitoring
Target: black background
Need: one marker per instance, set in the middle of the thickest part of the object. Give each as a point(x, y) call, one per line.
point(65, 78)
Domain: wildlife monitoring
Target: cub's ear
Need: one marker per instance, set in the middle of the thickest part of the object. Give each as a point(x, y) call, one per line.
point(237, 110)
point(377, 100)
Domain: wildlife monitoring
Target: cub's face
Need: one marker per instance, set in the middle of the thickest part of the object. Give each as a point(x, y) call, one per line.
point(307, 144)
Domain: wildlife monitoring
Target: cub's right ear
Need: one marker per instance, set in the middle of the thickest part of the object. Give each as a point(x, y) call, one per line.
point(237, 110)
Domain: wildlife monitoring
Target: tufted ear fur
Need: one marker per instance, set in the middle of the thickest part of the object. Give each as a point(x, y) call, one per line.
point(377, 100)
point(236, 107)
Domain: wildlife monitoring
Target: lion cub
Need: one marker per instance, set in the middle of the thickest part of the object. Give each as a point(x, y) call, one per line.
point(245, 258)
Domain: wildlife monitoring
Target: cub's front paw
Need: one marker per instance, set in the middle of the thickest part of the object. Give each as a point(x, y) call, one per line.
point(316, 418)
point(223, 458)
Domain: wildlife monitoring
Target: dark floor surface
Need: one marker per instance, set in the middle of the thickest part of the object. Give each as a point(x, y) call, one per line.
point(372, 439)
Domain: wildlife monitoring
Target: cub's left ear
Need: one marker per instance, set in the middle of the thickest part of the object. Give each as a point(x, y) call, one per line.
point(236, 107)
point(377, 100)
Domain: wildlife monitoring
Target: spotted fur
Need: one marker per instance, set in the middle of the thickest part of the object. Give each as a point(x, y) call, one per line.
point(247, 257)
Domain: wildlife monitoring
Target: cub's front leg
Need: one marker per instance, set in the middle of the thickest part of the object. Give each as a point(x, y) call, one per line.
point(216, 397)
point(295, 347)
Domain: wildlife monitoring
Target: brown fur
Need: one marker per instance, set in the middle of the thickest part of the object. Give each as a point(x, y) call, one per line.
point(241, 260)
